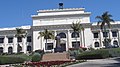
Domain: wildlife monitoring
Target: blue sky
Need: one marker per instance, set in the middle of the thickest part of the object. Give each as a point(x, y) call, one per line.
point(18, 12)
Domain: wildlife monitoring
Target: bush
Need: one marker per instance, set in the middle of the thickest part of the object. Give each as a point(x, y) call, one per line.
point(36, 57)
point(95, 54)
point(10, 60)
point(74, 52)
point(114, 52)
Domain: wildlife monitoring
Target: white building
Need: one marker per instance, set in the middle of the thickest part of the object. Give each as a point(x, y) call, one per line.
point(59, 21)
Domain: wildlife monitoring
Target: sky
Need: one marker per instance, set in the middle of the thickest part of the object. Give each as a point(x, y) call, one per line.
point(15, 13)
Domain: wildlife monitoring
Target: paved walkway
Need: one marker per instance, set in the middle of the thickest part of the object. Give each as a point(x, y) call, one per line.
point(111, 62)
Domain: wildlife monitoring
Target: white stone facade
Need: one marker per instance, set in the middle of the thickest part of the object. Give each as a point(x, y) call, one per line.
point(59, 21)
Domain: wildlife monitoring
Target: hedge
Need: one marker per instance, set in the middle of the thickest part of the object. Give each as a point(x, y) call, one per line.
point(95, 54)
point(10, 60)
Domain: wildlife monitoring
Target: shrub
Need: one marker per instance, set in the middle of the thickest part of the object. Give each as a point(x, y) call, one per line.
point(10, 60)
point(114, 52)
point(73, 52)
point(36, 57)
point(95, 54)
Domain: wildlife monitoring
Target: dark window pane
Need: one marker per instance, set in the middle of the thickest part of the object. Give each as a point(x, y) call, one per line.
point(105, 34)
point(75, 35)
point(1, 40)
point(62, 35)
point(96, 44)
point(29, 39)
point(114, 33)
point(76, 44)
point(19, 39)
point(10, 40)
point(49, 46)
point(95, 35)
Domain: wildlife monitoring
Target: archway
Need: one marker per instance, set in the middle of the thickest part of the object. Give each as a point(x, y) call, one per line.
point(97, 44)
point(10, 50)
point(75, 35)
point(62, 35)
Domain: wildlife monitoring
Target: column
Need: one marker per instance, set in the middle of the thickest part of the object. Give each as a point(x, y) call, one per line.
point(5, 44)
point(15, 45)
point(69, 43)
point(101, 38)
point(119, 37)
point(24, 45)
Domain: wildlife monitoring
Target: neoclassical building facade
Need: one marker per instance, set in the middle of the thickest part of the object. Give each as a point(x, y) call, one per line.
point(59, 21)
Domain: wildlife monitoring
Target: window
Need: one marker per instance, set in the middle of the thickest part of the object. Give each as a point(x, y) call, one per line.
point(19, 39)
point(96, 44)
point(29, 48)
point(1, 40)
point(29, 39)
point(105, 34)
point(115, 42)
point(10, 50)
point(114, 33)
point(1, 50)
point(10, 40)
point(49, 46)
point(76, 44)
point(75, 35)
point(95, 35)
point(62, 35)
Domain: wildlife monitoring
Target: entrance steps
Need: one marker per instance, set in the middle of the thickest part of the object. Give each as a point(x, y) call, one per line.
point(55, 56)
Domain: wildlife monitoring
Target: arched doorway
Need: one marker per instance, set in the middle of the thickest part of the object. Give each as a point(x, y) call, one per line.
point(1, 50)
point(97, 44)
point(115, 43)
point(10, 50)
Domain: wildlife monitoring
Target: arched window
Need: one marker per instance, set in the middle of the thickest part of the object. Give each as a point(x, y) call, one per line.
point(1, 50)
point(29, 48)
point(96, 44)
point(19, 48)
point(115, 42)
point(62, 35)
point(75, 35)
point(10, 50)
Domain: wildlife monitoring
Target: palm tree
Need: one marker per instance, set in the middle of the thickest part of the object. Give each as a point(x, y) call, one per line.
point(105, 19)
point(47, 35)
point(20, 33)
point(76, 29)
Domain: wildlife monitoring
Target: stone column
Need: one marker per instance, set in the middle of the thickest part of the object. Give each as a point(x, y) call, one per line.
point(119, 37)
point(69, 39)
point(24, 45)
point(5, 44)
point(15, 44)
point(101, 38)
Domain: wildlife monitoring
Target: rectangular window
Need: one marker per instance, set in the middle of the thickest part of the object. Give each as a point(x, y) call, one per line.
point(19, 39)
point(114, 33)
point(49, 46)
point(95, 35)
point(10, 40)
point(1, 40)
point(105, 34)
point(76, 44)
point(29, 39)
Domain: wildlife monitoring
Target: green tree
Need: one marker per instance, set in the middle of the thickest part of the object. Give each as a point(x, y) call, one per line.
point(77, 27)
point(20, 33)
point(104, 20)
point(47, 35)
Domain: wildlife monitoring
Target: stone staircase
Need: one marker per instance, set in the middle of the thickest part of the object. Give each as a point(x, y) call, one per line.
point(55, 56)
